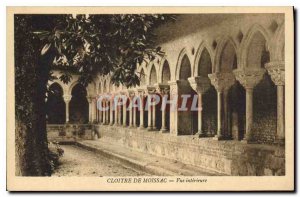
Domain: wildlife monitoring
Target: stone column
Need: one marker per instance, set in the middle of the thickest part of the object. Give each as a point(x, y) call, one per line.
point(67, 99)
point(134, 116)
point(94, 110)
point(111, 114)
point(90, 99)
point(115, 107)
point(222, 82)
point(249, 79)
point(200, 85)
point(141, 94)
point(277, 72)
point(154, 117)
point(100, 112)
point(131, 113)
point(125, 114)
point(151, 114)
point(119, 115)
point(103, 112)
point(174, 91)
point(107, 112)
point(164, 91)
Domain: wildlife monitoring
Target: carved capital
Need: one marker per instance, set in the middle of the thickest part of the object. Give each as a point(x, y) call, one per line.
point(277, 71)
point(140, 92)
point(222, 81)
point(151, 90)
point(249, 78)
point(67, 98)
point(163, 89)
point(131, 93)
point(200, 84)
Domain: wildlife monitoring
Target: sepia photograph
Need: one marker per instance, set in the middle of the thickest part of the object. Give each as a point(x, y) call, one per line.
point(150, 98)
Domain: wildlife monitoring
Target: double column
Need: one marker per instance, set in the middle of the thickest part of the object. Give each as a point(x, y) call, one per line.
point(200, 85)
point(249, 78)
point(141, 94)
point(164, 91)
point(222, 82)
point(151, 109)
point(132, 111)
point(92, 108)
point(277, 71)
point(67, 99)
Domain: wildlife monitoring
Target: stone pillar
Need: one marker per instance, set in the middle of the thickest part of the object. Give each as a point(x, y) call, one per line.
point(67, 99)
point(103, 112)
point(249, 79)
point(100, 113)
point(107, 112)
point(115, 108)
point(131, 113)
point(119, 115)
point(90, 99)
point(149, 115)
point(94, 110)
point(174, 90)
point(111, 114)
point(141, 94)
point(154, 118)
point(134, 116)
point(200, 85)
point(151, 110)
point(222, 82)
point(277, 72)
point(164, 91)
point(125, 114)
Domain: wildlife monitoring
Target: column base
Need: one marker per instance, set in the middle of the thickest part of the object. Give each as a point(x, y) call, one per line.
point(141, 127)
point(164, 130)
point(247, 141)
point(218, 137)
point(150, 128)
point(200, 134)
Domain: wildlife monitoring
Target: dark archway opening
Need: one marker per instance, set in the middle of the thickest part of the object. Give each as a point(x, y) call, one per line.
point(56, 107)
point(237, 112)
point(79, 106)
point(187, 119)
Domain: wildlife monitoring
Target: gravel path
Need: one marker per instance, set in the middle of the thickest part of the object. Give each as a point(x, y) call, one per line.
point(80, 162)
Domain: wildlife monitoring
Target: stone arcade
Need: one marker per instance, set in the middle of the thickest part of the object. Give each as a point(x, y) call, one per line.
point(234, 64)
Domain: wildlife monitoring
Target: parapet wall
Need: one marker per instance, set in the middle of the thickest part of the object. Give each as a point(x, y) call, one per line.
point(227, 157)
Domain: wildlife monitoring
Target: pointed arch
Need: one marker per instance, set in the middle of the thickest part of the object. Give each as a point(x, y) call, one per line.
point(60, 83)
point(226, 56)
point(153, 75)
point(165, 72)
point(256, 35)
point(205, 50)
point(183, 67)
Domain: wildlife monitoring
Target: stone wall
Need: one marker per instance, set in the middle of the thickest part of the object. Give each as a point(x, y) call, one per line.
point(227, 157)
point(69, 132)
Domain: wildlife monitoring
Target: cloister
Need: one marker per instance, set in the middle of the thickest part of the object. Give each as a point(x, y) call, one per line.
point(234, 64)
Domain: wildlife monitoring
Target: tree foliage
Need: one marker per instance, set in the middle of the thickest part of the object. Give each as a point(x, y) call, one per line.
point(103, 44)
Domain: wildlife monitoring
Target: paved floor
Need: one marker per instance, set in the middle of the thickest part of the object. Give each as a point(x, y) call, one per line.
point(80, 162)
